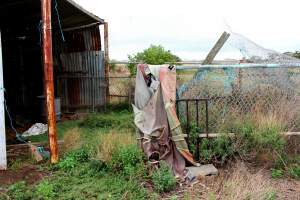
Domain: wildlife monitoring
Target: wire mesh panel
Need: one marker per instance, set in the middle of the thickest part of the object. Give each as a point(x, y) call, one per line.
point(236, 93)
point(231, 93)
point(121, 89)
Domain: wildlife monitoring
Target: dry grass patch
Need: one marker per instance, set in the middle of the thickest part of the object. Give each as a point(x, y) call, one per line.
point(109, 142)
point(72, 140)
point(244, 185)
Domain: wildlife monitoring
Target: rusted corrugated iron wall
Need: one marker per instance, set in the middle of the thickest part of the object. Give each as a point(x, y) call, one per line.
point(81, 82)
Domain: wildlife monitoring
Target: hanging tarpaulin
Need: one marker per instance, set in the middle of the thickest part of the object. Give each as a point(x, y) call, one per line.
point(159, 131)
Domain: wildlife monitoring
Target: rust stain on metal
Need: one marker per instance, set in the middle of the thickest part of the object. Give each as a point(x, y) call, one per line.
point(83, 79)
point(48, 78)
point(87, 39)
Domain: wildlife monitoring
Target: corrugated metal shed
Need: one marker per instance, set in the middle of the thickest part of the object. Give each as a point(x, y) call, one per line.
point(72, 14)
point(81, 78)
point(78, 62)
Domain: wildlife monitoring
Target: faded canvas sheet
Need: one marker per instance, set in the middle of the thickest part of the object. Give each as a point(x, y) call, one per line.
point(158, 126)
point(143, 93)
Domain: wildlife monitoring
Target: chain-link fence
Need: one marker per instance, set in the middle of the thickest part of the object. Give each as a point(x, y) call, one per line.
point(237, 93)
point(121, 89)
point(231, 93)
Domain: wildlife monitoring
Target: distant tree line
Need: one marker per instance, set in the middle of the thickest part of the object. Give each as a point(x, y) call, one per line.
point(154, 55)
point(296, 54)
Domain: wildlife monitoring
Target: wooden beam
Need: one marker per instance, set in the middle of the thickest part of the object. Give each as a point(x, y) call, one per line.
point(3, 159)
point(17, 150)
point(215, 50)
point(214, 135)
point(48, 78)
point(106, 59)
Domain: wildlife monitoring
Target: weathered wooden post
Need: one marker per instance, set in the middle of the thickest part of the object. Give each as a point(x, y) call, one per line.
point(48, 78)
point(106, 59)
point(3, 159)
point(215, 50)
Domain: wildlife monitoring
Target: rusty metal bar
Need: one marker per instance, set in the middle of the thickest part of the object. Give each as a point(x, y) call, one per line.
point(187, 118)
point(187, 123)
point(177, 108)
point(106, 59)
point(197, 112)
point(48, 78)
point(197, 140)
point(206, 117)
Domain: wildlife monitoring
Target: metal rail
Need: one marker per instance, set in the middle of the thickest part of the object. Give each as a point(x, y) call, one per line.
point(198, 102)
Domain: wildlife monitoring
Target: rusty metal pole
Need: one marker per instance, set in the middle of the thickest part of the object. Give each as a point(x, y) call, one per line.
point(48, 78)
point(106, 60)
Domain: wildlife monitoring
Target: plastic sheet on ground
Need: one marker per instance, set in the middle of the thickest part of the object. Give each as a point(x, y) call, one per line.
point(36, 129)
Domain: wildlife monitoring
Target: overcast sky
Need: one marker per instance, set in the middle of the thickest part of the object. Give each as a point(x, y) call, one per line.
point(189, 28)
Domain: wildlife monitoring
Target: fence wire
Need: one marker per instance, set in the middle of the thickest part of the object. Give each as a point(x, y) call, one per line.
point(237, 93)
point(232, 93)
point(121, 89)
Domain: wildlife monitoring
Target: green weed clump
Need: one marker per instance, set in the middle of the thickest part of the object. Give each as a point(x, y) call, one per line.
point(163, 178)
point(129, 160)
point(277, 173)
point(45, 190)
point(288, 166)
point(218, 150)
point(251, 139)
point(73, 158)
point(19, 191)
point(294, 171)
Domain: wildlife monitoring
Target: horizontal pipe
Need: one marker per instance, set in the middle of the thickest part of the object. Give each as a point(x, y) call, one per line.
point(82, 27)
point(198, 65)
point(244, 65)
point(214, 135)
point(177, 63)
point(200, 99)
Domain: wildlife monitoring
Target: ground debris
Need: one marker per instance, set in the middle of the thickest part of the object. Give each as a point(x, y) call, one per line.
point(203, 170)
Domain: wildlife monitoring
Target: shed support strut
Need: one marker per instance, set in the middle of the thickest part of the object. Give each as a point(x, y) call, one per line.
point(3, 159)
point(106, 60)
point(48, 78)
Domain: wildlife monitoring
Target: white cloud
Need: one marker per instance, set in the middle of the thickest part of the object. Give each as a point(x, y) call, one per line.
point(182, 26)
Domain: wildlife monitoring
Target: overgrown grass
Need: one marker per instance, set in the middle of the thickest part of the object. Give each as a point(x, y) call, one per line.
point(101, 161)
point(286, 166)
point(250, 140)
point(79, 176)
point(256, 139)
point(116, 120)
point(163, 179)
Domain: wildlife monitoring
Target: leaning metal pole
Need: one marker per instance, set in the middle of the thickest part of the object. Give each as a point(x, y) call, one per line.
point(48, 78)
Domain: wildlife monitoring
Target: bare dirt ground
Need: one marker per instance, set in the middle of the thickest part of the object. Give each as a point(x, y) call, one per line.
point(28, 173)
